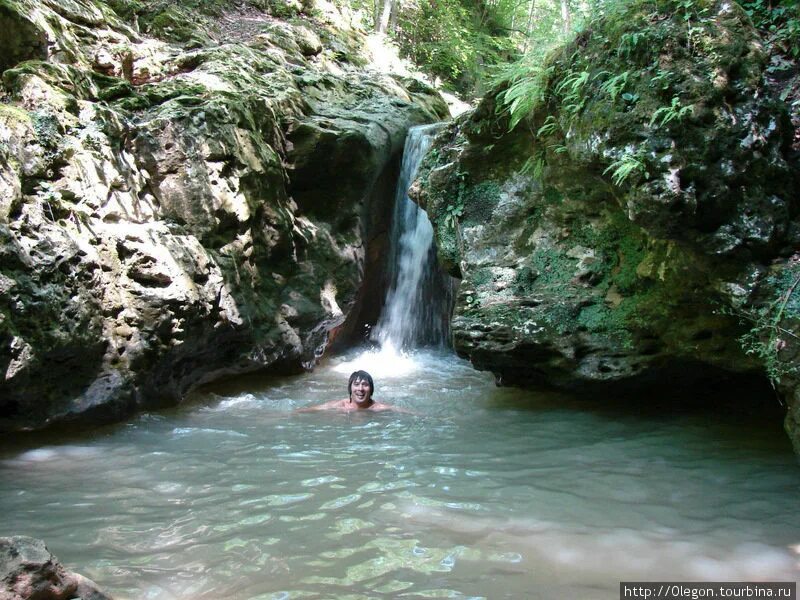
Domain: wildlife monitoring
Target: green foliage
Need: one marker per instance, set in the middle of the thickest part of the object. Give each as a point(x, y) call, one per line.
point(572, 84)
point(621, 74)
point(614, 86)
point(661, 80)
point(535, 165)
point(571, 91)
point(768, 334)
point(550, 127)
point(455, 40)
point(673, 112)
point(629, 42)
point(780, 22)
point(527, 88)
point(630, 163)
point(452, 213)
point(466, 42)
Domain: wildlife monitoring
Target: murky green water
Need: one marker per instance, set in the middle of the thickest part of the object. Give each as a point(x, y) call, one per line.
point(485, 493)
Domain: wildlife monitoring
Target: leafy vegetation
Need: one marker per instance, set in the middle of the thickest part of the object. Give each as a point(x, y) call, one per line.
point(452, 212)
point(772, 324)
point(673, 112)
point(455, 40)
point(466, 43)
point(630, 163)
point(624, 69)
point(780, 23)
point(526, 89)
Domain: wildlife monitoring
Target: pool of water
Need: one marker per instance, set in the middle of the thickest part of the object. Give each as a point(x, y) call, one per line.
point(485, 492)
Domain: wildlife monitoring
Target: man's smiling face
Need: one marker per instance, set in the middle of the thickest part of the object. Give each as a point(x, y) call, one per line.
point(360, 392)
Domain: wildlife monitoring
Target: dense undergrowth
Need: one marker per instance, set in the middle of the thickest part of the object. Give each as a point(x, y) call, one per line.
point(637, 82)
point(564, 74)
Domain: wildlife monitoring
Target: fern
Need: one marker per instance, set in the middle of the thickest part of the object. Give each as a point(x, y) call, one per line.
point(767, 337)
point(571, 89)
point(628, 43)
point(535, 165)
point(673, 112)
point(527, 90)
point(614, 86)
point(573, 83)
point(550, 126)
point(661, 80)
point(628, 164)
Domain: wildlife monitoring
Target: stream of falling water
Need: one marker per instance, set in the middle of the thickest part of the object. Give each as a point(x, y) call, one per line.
point(480, 492)
point(419, 299)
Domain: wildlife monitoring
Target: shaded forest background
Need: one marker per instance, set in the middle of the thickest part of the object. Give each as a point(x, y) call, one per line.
point(471, 45)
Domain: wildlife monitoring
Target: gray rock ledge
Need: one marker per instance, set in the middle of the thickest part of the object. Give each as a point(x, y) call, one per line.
point(30, 572)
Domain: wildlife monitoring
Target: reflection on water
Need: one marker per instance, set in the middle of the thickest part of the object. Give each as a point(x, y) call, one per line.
point(485, 493)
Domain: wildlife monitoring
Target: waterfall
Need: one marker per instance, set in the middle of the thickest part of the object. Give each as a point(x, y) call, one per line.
point(419, 297)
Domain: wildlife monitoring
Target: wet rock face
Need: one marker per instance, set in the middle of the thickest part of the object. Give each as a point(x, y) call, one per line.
point(633, 224)
point(29, 571)
point(171, 215)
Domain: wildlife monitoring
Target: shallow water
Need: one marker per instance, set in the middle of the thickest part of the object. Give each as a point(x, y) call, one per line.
point(485, 493)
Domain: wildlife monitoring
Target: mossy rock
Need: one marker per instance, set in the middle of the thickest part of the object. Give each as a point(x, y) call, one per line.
point(597, 236)
point(127, 10)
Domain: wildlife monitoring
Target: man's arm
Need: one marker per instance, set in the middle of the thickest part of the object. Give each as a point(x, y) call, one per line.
point(325, 406)
point(382, 406)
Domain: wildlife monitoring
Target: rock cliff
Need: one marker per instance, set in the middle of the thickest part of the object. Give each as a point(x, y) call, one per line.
point(183, 195)
point(635, 225)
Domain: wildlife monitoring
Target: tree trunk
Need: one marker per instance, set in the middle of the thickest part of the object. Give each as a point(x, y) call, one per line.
point(529, 26)
point(393, 16)
point(383, 11)
point(566, 18)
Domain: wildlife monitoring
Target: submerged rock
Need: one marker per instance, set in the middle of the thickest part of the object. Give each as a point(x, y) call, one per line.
point(617, 234)
point(30, 572)
point(174, 210)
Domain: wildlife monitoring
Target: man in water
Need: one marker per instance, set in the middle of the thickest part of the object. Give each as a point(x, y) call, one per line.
point(360, 389)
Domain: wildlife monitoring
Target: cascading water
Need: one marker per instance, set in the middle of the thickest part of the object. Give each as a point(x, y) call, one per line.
point(419, 298)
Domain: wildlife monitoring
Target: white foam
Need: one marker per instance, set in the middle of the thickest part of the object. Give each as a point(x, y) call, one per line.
point(384, 363)
point(186, 431)
point(243, 401)
point(54, 453)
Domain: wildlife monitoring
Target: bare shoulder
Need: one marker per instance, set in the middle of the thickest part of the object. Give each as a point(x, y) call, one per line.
point(332, 405)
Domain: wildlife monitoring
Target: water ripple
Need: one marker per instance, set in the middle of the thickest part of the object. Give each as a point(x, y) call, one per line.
point(486, 492)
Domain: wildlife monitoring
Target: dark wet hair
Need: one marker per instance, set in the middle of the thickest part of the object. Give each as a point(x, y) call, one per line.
point(360, 375)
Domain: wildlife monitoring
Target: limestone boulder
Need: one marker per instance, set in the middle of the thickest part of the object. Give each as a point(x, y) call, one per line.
point(173, 212)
